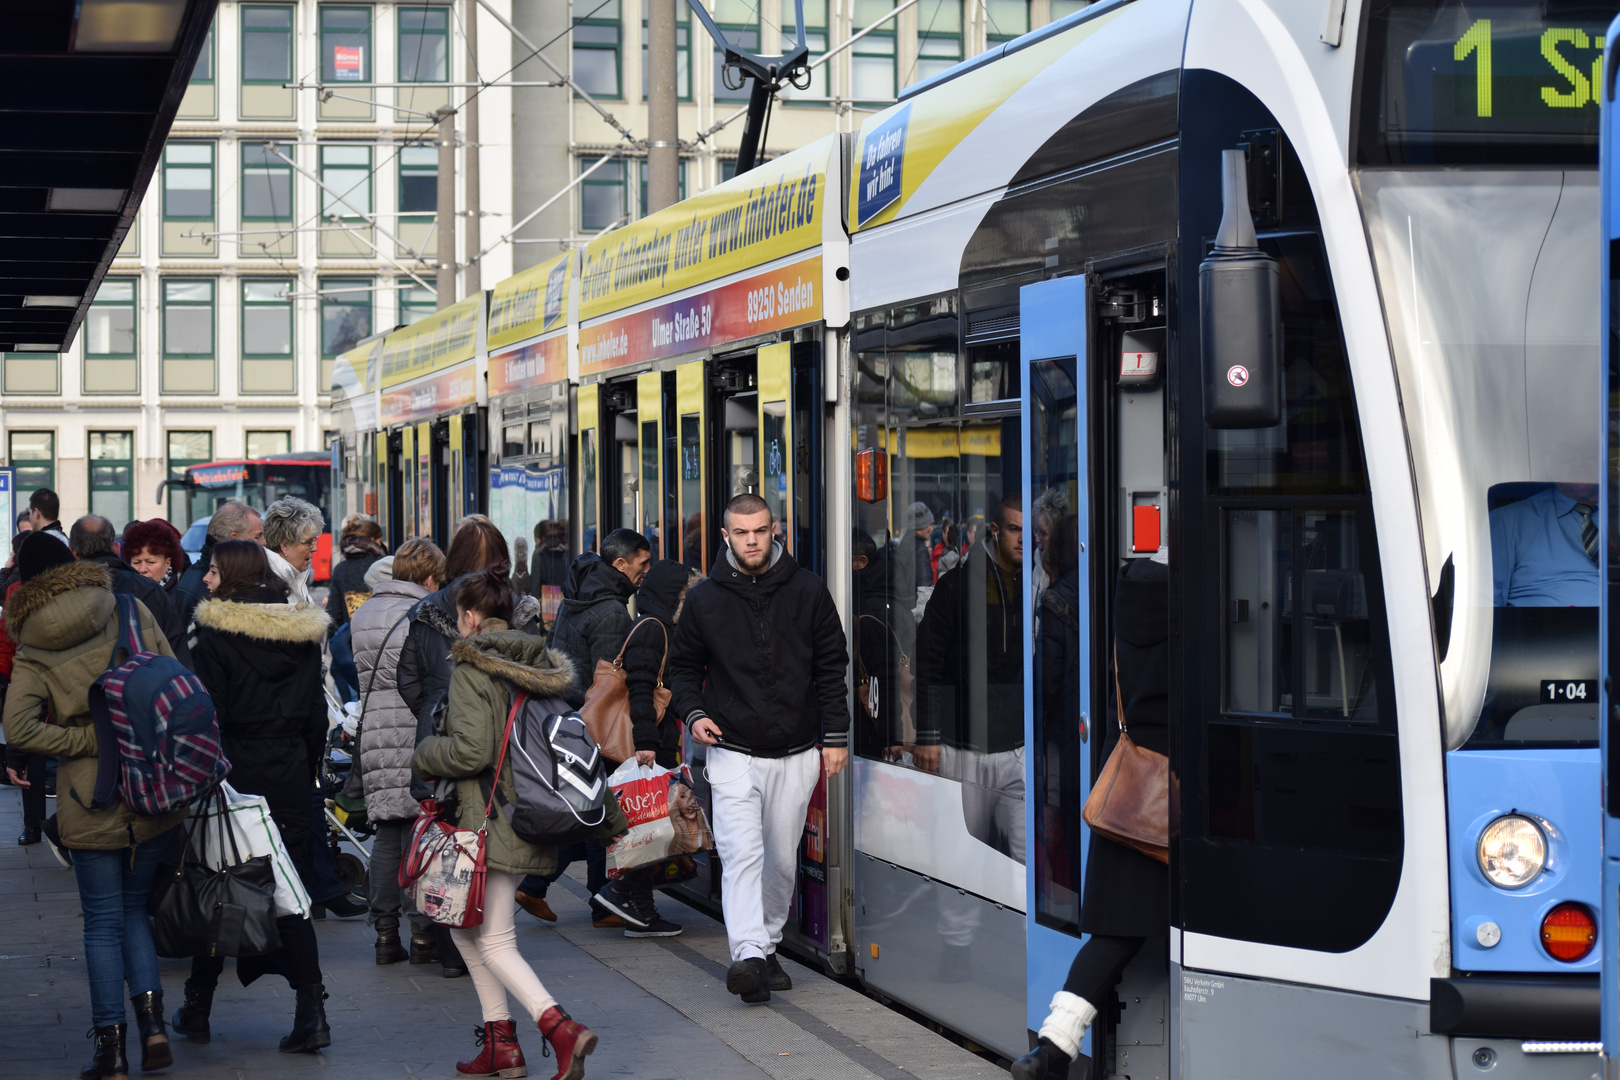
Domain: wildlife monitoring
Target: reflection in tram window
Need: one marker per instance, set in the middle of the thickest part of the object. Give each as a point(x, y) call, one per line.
point(692, 491)
point(587, 488)
point(649, 484)
point(742, 430)
point(774, 479)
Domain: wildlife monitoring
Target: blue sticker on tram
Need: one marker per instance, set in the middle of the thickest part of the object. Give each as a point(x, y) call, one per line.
point(882, 154)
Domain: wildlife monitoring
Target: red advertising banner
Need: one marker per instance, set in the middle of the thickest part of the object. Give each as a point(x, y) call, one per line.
point(536, 364)
point(426, 397)
point(759, 304)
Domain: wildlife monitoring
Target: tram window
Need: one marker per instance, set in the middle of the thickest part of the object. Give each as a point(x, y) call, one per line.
point(539, 430)
point(993, 371)
point(587, 487)
point(773, 442)
point(691, 454)
point(650, 501)
point(512, 443)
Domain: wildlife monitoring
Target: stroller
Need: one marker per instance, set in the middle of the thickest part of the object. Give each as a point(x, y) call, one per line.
point(346, 833)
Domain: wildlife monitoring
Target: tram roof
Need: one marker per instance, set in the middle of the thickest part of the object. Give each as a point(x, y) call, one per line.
point(89, 92)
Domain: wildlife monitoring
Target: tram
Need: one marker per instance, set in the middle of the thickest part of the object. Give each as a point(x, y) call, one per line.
point(1293, 298)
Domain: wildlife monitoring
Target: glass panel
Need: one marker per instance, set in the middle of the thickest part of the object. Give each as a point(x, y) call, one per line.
point(649, 484)
point(512, 446)
point(32, 446)
point(178, 292)
point(189, 154)
point(345, 316)
point(114, 290)
point(414, 303)
point(268, 443)
point(109, 331)
point(774, 487)
point(424, 45)
point(587, 493)
point(203, 72)
point(1259, 572)
point(1006, 18)
point(267, 331)
point(692, 491)
point(267, 18)
point(111, 446)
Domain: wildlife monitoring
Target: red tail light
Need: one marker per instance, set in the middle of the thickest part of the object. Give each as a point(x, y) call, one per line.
point(1569, 932)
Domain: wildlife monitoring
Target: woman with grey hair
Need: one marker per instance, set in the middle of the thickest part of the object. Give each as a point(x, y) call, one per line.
point(292, 527)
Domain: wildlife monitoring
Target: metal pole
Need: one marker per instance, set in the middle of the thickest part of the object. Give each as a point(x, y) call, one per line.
point(469, 129)
point(447, 208)
point(663, 144)
point(523, 40)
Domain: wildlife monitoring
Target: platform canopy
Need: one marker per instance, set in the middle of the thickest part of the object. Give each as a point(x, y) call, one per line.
point(88, 91)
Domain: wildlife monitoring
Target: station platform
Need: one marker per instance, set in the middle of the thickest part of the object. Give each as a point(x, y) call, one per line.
point(659, 1005)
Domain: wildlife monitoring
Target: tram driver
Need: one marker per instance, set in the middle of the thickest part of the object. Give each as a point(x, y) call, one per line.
point(1544, 549)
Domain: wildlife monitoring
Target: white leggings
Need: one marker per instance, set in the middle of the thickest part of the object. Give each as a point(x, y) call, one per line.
point(492, 956)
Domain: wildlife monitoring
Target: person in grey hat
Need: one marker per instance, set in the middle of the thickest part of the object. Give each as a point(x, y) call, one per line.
point(922, 527)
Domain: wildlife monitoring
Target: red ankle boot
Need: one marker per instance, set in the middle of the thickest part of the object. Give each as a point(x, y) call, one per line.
point(571, 1040)
point(501, 1055)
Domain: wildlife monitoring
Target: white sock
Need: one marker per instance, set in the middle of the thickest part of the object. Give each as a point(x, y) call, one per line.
point(1066, 1024)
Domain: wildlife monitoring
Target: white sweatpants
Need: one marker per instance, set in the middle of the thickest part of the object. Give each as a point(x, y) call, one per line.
point(759, 810)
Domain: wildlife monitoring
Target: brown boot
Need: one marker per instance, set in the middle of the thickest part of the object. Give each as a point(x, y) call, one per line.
point(389, 950)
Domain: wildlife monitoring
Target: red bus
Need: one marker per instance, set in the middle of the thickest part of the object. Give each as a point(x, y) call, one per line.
point(258, 483)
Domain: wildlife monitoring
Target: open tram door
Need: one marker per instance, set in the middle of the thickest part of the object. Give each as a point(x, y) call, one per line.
point(1609, 597)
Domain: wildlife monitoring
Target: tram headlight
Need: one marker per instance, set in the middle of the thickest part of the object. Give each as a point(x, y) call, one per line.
point(1512, 851)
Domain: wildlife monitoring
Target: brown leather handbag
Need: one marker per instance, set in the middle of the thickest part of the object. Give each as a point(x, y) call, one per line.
point(606, 711)
point(1130, 799)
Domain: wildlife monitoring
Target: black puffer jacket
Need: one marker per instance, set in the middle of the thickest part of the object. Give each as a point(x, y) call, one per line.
point(595, 615)
point(645, 655)
point(970, 648)
point(261, 662)
point(764, 658)
point(126, 580)
point(424, 662)
point(348, 589)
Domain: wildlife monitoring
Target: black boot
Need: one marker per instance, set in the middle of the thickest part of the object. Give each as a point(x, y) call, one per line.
point(155, 1052)
point(389, 950)
point(424, 947)
point(1045, 1062)
point(109, 1062)
point(191, 1019)
point(310, 1031)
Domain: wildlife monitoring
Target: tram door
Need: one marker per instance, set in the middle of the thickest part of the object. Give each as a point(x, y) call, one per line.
point(650, 459)
point(1609, 598)
point(386, 484)
point(587, 414)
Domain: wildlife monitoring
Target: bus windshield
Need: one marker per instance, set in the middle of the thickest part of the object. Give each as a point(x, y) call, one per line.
point(1489, 285)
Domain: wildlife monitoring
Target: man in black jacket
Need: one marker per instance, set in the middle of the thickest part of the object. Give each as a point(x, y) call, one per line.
point(757, 671)
point(92, 540)
point(231, 520)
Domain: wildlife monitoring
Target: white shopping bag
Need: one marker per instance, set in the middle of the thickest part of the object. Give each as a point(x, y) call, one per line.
point(663, 813)
point(256, 834)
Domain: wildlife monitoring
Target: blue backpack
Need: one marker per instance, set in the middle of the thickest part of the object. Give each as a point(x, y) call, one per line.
point(160, 718)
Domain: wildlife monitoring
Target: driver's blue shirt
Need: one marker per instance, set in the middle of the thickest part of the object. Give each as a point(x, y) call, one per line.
point(1536, 554)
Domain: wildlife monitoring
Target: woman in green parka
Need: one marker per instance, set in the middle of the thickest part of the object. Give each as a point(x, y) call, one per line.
point(489, 662)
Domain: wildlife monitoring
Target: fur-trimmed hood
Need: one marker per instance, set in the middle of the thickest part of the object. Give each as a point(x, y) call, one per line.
point(520, 659)
point(437, 611)
point(78, 596)
point(265, 622)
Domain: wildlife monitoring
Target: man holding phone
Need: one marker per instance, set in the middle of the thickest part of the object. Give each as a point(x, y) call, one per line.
point(757, 672)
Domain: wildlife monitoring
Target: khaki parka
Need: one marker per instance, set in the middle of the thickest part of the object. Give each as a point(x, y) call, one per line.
point(475, 721)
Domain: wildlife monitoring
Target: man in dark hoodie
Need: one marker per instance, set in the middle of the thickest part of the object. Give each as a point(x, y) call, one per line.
point(757, 671)
point(92, 540)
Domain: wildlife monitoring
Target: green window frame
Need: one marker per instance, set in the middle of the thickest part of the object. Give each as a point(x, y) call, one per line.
point(267, 183)
point(267, 44)
point(188, 181)
point(346, 169)
point(346, 317)
point(415, 302)
point(418, 184)
point(203, 72)
point(267, 318)
point(739, 21)
point(873, 66)
point(424, 44)
point(263, 444)
point(683, 55)
point(112, 326)
point(1005, 20)
point(602, 196)
point(815, 39)
point(597, 52)
point(112, 475)
point(185, 449)
point(188, 303)
point(641, 188)
point(345, 28)
point(32, 455)
point(939, 37)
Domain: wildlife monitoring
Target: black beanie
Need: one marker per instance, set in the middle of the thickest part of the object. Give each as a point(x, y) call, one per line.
point(39, 552)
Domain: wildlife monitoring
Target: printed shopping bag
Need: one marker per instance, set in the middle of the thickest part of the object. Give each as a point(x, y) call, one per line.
point(665, 818)
point(444, 870)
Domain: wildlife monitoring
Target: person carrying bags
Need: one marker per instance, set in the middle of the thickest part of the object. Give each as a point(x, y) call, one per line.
point(491, 665)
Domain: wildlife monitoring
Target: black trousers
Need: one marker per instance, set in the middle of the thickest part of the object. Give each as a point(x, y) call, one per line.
point(33, 796)
point(1098, 966)
point(298, 960)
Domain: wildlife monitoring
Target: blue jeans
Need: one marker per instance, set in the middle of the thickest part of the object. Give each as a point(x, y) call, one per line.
point(118, 945)
point(594, 852)
point(344, 673)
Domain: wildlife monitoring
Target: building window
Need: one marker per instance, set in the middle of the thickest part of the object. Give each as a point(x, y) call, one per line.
point(112, 476)
point(641, 172)
point(109, 328)
point(815, 38)
point(939, 37)
point(1005, 20)
point(415, 302)
point(33, 463)
point(739, 21)
point(204, 71)
point(267, 187)
point(871, 65)
point(418, 180)
point(267, 44)
point(188, 336)
point(345, 44)
point(601, 196)
point(345, 316)
point(346, 170)
point(683, 55)
point(267, 336)
point(424, 44)
point(187, 448)
point(263, 444)
point(31, 373)
point(596, 39)
point(1064, 8)
point(188, 182)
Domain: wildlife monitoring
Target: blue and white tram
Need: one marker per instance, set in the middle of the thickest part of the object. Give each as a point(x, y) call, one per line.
point(1374, 484)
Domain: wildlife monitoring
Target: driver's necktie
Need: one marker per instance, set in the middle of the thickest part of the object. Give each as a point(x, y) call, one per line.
point(1589, 530)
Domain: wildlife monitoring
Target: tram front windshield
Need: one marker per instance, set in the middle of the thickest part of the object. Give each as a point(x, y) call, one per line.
point(1490, 285)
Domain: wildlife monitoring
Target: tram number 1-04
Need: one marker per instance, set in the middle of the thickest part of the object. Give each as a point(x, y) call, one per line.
point(1575, 90)
point(1564, 690)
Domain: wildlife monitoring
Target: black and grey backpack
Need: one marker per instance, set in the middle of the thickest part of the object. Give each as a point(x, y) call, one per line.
point(561, 781)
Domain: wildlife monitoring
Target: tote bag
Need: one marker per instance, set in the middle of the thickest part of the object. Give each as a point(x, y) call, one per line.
point(198, 910)
point(606, 711)
point(254, 832)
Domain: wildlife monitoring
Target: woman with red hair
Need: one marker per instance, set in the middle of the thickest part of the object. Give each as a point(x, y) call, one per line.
point(152, 549)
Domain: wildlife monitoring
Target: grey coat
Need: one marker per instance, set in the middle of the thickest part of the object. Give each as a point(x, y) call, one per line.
point(388, 727)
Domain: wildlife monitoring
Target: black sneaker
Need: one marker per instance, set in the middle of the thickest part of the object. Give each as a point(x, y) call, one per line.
point(53, 840)
point(347, 906)
point(775, 977)
point(619, 901)
point(659, 927)
point(749, 980)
